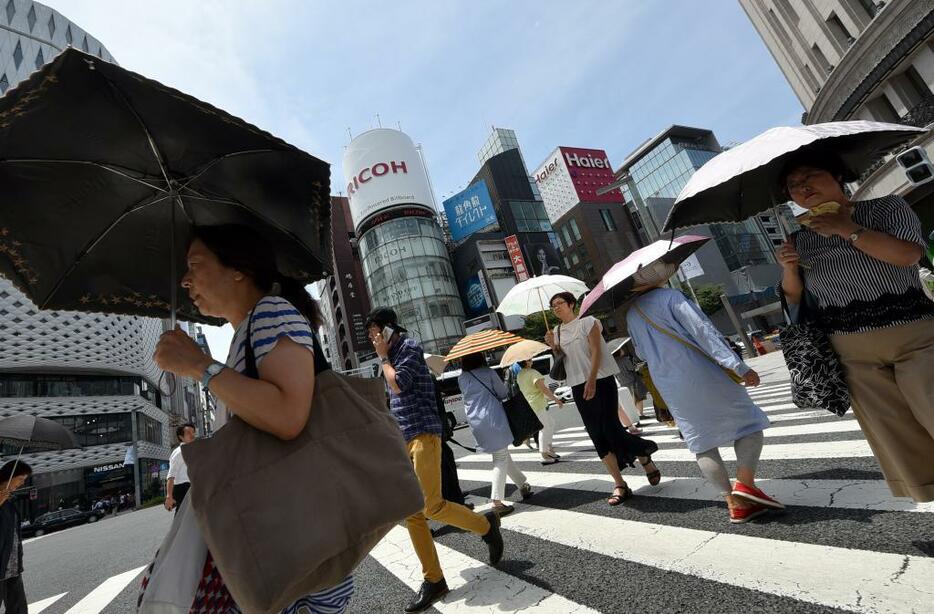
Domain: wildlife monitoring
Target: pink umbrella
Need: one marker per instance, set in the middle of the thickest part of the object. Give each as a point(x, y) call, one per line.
point(622, 276)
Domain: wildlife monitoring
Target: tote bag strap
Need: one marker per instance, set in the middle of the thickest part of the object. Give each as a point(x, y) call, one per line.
point(495, 396)
point(736, 378)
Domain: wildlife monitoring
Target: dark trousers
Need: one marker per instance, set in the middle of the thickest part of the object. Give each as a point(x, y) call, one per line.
point(450, 485)
point(178, 493)
point(13, 596)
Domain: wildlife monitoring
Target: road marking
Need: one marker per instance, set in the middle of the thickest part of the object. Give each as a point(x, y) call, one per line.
point(870, 582)
point(39, 606)
point(475, 586)
point(100, 597)
point(843, 494)
point(856, 448)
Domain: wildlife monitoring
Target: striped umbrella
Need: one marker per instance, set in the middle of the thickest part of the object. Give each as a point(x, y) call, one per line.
point(481, 342)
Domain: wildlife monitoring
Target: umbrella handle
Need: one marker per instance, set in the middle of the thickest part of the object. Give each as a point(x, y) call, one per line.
point(541, 302)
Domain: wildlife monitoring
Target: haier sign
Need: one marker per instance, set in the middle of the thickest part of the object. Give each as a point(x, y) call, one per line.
point(470, 211)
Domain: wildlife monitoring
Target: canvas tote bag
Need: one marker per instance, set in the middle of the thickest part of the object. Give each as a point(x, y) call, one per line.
point(283, 519)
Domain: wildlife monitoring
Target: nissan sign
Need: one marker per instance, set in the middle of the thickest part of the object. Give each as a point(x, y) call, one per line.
point(383, 170)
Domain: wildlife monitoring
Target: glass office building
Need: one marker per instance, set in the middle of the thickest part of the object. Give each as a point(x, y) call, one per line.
point(406, 265)
point(662, 168)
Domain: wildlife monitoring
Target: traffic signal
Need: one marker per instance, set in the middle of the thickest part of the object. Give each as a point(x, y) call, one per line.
point(917, 165)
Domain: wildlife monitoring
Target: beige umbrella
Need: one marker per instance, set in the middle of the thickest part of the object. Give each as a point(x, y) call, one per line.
point(522, 351)
point(436, 364)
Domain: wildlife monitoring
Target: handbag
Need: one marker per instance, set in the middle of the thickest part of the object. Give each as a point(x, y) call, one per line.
point(523, 423)
point(558, 371)
point(817, 375)
point(283, 519)
point(171, 581)
point(729, 372)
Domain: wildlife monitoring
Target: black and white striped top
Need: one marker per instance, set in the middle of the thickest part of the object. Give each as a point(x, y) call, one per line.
point(855, 292)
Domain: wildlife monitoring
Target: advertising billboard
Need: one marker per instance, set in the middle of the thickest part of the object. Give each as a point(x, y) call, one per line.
point(478, 297)
point(470, 211)
point(542, 259)
point(382, 169)
point(572, 175)
point(515, 255)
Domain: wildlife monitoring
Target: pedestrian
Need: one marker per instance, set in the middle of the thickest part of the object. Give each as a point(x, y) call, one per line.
point(591, 375)
point(13, 475)
point(532, 386)
point(450, 483)
point(412, 403)
point(177, 483)
point(629, 377)
point(856, 270)
point(687, 358)
point(483, 392)
point(113, 505)
point(232, 275)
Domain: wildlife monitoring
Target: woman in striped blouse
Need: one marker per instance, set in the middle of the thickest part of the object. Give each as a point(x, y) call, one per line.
point(232, 275)
point(860, 268)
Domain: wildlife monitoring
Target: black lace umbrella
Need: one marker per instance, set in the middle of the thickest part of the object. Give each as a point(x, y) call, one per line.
point(103, 173)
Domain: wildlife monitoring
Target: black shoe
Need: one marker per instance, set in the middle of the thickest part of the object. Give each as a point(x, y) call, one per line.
point(429, 593)
point(494, 538)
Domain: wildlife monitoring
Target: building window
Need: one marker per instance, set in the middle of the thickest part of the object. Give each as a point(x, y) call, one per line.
point(575, 229)
point(839, 31)
point(40, 60)
point(68, 36)
point(575, 259)
point(148, 429)
point(10, 11)
point(870, 7)
point(31, 18)
point(567, 236)
point(4, 84)
point(821, 58)
point(607, 218)
point(882, 109)
point(98, 429)
point(788, 11)
point(84, 44)
point(917, 88)
point(18, 54)
point(51, 26)
point(41, 385)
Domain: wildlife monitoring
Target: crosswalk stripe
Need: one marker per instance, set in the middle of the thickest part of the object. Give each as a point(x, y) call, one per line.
point(100, 597)
point(475, 586)
point(855, 448)
point(39, 606)
point(845, 494)
point(856, 580)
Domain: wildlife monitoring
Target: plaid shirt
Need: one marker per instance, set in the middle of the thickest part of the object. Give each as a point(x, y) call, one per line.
point(415, 408)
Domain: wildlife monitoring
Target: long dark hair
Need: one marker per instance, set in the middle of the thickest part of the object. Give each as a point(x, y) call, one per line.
point(473, 361)
point(242, 248)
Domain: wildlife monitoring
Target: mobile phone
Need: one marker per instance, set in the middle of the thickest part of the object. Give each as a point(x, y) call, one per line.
point(388, 332)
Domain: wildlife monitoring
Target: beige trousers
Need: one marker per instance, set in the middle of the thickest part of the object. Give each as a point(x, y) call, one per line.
point(890, 373)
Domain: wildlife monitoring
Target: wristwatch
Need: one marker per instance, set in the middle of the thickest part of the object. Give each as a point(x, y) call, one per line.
point(384, 360)
point(855, 234)
point(210, 371)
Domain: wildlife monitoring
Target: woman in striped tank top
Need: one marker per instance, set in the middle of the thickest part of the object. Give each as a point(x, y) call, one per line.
point(232, 275)
point(859, 267)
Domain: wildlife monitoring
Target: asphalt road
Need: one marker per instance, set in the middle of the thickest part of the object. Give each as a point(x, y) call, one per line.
point(844, 544)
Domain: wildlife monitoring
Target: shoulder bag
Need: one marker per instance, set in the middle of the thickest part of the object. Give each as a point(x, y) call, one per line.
point(283, 519)
point(729, 372)
point(558, 371)
point(523, 423)
point(817, 376)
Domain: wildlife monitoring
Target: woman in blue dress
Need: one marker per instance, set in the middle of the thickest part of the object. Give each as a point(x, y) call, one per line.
point(682, 347)
point(483, 392)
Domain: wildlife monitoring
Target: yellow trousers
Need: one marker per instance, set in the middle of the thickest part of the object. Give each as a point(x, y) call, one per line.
point(425, 452)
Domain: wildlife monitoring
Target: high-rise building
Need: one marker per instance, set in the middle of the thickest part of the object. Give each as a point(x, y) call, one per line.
point(859, 59)
point(343, 294)
point(93, 373)
point(500, 141)
point(401, 245)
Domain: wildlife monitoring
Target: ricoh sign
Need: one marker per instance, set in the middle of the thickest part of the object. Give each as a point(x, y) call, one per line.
point(382, 170)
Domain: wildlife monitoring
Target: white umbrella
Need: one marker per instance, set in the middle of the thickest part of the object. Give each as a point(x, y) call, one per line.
point(526, 349)
point(744, 180)
point(531, 295)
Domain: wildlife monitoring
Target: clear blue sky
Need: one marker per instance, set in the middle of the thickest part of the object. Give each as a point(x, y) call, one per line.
point(604, 74)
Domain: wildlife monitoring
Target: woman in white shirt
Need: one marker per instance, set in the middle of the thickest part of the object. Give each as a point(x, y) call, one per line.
point(590, 374)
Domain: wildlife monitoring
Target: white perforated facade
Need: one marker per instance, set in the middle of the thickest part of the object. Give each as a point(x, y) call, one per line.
point(92, 372)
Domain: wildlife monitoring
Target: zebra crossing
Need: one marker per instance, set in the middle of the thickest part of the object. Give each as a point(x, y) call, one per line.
point(843, 544)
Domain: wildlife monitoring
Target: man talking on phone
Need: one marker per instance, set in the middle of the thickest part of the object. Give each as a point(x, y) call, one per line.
point(412, 403)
